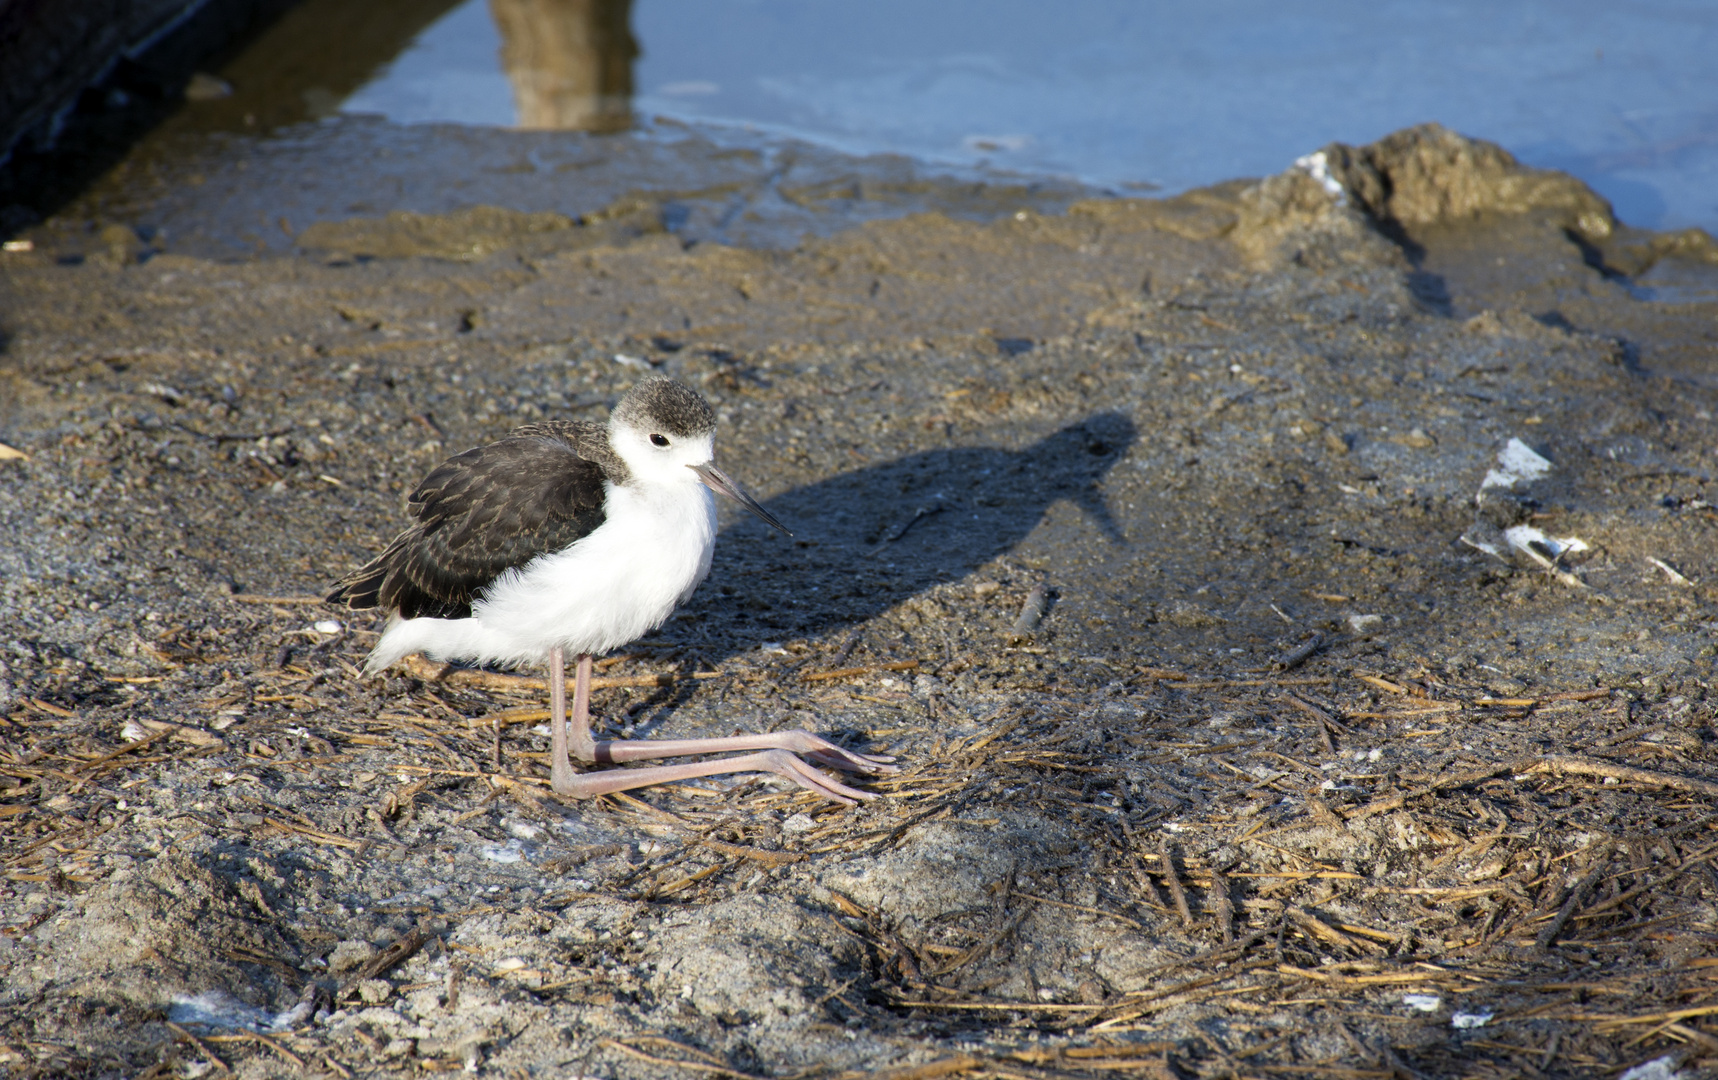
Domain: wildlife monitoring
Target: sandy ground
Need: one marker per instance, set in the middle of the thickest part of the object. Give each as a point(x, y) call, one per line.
point(1295, 777)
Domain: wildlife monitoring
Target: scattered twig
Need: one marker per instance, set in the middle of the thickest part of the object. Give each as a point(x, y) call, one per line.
point(739, 851)
point(1298, 655)
point(704, 1063)
point(1458, 780)
point(202, 1047)
point(1325, 723)
point(1032, 613)
point(1622, 773)
point(1224, 905)
point(147, 740)
point(849, 672)
point(313, 834)
point(847, 648)
point(1135, 923)
point(1166, 858)
point(919, 515)
point(1601, 862)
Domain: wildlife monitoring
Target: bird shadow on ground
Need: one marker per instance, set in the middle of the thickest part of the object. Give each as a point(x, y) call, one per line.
point(866, 540)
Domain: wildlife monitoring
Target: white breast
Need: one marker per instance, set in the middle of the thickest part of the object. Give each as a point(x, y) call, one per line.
point(612, 587)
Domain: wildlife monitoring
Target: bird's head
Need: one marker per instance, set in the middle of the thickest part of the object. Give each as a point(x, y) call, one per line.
point(666, 434)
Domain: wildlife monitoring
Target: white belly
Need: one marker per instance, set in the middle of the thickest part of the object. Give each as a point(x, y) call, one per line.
point(613, 586)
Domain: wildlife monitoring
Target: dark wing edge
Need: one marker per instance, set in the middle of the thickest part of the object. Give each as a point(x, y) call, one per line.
point(480, 514)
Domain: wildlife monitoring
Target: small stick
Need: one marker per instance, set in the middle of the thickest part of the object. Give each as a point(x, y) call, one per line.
point(1297, 656)
point(1150, 888)
point(202, 1047)
point(1166, 854)
point(1625, 773)
point(394, 955)
point(1695, 1035)
point(919, 515)
point(495, 726)
point(695, 1066)
point(1144, 879)
point(1318, 714)
point(1601, 863)
point(1224, 905)
point(1550, 1050)
point(847, 648)
point(1032, 613)
point(277, 1048)
point(844, 673)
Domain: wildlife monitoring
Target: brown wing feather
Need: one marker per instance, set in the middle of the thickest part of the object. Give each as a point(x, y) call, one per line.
point(482, 513)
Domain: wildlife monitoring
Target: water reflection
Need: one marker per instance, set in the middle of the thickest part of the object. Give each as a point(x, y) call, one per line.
point(570, 62)
point(310, 60)
point(1120, 93)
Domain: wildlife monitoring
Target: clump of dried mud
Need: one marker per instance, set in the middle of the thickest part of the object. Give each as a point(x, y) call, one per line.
point(1288, 779)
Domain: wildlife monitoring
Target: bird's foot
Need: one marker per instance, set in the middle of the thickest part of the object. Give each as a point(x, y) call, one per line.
point(783, 763)
point(824, 752)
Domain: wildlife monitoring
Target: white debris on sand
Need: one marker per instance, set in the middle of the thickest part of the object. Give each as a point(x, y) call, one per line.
point(1517, 463)
point(1660, 1068)
point(1317, 166)
point(1500, 529)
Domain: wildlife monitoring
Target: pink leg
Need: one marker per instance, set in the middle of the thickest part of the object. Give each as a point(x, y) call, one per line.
point(561, 776)
point(775, 751)
point(560, 770)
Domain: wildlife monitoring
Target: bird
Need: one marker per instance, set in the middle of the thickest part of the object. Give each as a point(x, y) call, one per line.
point(575, 538)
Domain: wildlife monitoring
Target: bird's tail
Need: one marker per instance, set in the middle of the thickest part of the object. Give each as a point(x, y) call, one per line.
point(399, 639)
point(446, 639)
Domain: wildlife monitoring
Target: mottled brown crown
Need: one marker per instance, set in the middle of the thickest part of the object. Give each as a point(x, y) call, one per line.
point(661, 405)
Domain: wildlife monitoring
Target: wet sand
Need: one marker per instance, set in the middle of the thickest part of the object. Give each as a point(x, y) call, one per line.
point(1284, 749)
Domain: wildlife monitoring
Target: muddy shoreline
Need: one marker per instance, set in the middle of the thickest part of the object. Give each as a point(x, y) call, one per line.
point(1289, 744)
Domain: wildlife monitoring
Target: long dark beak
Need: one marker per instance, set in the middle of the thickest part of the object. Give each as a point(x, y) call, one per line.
point(718, 481)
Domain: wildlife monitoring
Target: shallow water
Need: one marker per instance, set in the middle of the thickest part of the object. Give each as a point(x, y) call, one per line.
point(755, 123)
point(1118, 93)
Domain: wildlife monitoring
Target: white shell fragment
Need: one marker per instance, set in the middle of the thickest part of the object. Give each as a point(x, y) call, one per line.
point(1539, 547)
point(1422, 1002)
point(1517, 463)
point(1669, 571)
point(328, 626)
point(1365, 624)
point(1464, 1021)
point(1317, 166)
point(1659, 1068)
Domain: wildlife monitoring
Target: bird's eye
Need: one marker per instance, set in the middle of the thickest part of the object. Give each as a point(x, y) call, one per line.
point(659, 440)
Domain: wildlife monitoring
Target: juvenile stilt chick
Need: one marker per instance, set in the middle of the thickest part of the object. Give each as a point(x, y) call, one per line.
point(575, 538)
